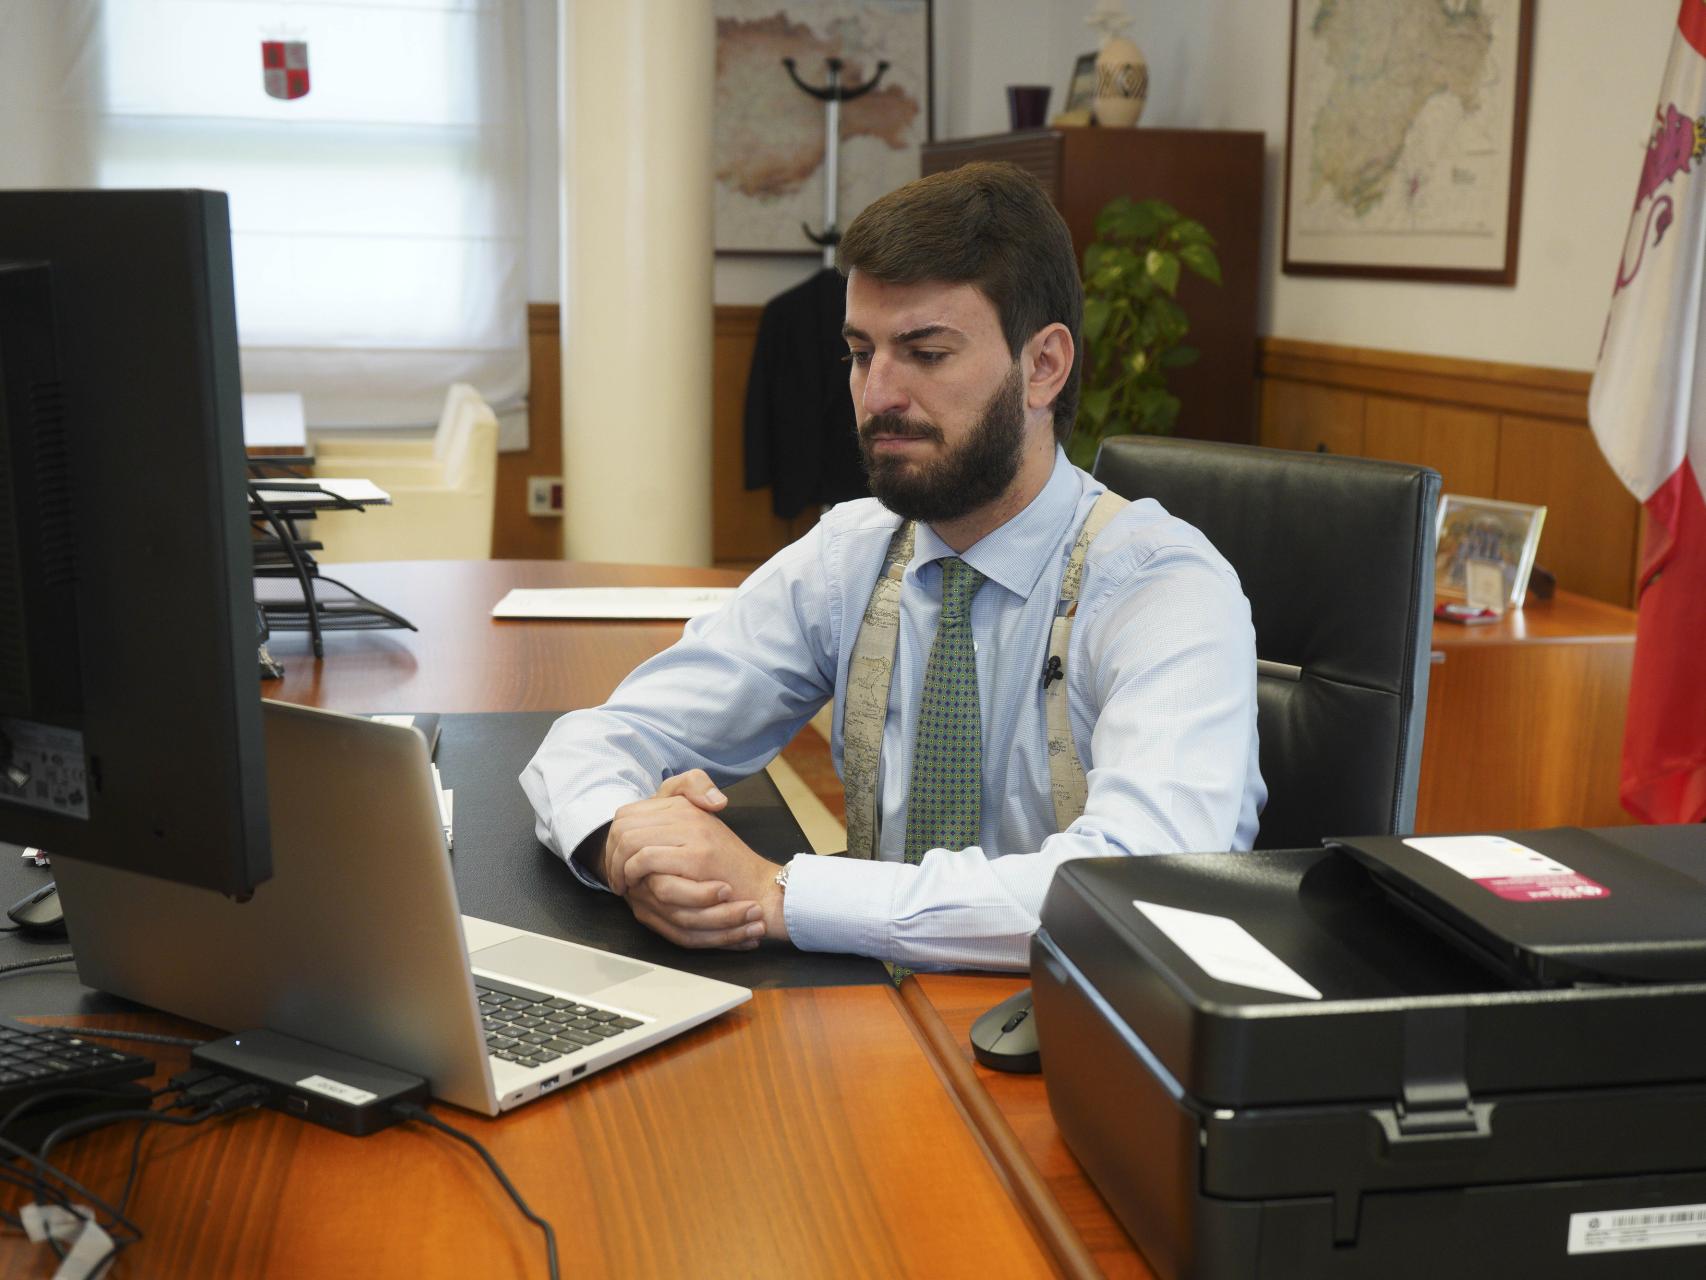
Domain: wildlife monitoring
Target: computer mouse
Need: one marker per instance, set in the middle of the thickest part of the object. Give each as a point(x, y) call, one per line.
point(40, 914)
point(1005, 1038)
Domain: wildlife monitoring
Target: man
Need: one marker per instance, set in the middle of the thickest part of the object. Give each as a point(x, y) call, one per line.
point(963, 313)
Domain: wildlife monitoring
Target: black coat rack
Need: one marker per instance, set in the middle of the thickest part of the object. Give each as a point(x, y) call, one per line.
point(832, 96)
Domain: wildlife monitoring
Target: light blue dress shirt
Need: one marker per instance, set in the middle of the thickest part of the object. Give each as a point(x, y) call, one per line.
point(1161, 687)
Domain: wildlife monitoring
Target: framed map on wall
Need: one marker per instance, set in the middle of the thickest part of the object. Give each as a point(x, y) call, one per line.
point(1406, 128)
point(769, 134)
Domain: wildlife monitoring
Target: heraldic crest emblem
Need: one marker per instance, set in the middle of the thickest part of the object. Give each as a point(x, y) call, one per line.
point(284, 68)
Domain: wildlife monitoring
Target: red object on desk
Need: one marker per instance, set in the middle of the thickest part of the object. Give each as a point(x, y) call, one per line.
point(1447, 611)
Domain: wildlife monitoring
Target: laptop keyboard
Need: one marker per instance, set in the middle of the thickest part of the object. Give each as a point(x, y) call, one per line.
point(534, 1029)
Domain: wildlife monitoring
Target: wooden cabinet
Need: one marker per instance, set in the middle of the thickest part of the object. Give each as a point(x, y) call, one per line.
point(1525, 719)
point(1210, 175)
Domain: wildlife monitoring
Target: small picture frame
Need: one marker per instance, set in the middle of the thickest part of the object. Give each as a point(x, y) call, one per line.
point(1080, 93)
point(1483, 533)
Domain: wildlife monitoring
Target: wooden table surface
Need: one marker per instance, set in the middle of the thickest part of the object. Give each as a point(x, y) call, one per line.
point(809, 1133)
point(461, 658)
point(803, 1134)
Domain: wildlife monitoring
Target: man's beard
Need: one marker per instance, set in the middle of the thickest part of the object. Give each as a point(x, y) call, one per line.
point(959, 481)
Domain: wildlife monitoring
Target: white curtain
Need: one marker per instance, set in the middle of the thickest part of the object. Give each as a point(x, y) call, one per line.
point(377, 221)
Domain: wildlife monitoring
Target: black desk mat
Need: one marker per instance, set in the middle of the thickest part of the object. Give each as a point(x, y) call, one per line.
point(503, 873)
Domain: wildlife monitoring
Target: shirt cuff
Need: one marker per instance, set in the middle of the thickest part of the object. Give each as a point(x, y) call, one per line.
point(842, 904)
point(578, 822)
point(587, 861)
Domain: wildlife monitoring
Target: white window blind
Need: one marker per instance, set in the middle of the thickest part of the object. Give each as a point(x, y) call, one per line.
point(377, 222)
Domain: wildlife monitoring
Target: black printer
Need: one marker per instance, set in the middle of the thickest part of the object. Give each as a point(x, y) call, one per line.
point(1389, 1057)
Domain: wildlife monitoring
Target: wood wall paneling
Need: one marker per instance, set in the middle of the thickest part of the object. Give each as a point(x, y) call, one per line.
point(1460, 444)
point(1491, 430)
point(1303, 415)
point(515, 534)
point(1591, 519)
point(1479, 384)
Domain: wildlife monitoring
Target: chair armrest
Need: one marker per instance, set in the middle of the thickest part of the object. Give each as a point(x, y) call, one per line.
point(369, 447)
point(422, 524)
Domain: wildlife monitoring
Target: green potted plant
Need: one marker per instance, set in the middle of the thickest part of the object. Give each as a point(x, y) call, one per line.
point(1134, 327)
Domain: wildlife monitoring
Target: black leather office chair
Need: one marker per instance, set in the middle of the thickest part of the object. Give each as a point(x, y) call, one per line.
point(1336, 555)
point(1337, 558)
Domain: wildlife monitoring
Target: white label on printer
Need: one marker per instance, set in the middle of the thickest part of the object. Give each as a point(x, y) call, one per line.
point(337, 1089)
point(1668, 1226)
point(1225, 950)
point(1513, 871)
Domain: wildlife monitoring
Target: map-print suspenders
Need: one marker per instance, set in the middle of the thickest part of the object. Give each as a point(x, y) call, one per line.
point(872, 671)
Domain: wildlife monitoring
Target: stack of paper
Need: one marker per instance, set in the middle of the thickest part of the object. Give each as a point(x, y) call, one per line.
point(612, 602)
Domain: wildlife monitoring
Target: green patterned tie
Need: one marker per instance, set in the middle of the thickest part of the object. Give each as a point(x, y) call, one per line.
point(944, 799)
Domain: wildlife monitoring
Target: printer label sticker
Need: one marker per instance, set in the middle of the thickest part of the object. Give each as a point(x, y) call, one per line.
point(1225, 950)
point(1513, 871)
point(337, 1089)
point(1619, 1230)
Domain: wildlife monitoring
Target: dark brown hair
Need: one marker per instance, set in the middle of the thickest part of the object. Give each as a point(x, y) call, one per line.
point(989, 225)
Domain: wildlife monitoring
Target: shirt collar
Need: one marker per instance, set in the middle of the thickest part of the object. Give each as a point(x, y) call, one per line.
point(1015, 554)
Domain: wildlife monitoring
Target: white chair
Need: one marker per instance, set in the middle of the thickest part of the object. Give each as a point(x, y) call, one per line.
point(442, 490)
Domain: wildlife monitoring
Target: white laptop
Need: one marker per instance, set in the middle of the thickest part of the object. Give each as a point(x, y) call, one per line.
point(357, 942)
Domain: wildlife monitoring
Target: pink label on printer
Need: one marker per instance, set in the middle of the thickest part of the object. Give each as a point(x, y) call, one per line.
point(1564, 888)
point(1513, 871)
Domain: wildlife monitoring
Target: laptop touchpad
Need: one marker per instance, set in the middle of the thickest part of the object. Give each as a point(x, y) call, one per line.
point(542, 962)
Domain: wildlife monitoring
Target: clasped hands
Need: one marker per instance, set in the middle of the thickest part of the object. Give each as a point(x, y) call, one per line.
point(686, 875)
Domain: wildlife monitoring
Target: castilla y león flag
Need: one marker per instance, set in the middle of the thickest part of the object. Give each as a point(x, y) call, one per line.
point(1648, 411)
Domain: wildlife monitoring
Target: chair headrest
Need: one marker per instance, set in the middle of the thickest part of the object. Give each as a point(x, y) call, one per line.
point(1335, 553)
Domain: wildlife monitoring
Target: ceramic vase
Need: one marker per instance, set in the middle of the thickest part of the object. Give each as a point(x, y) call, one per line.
point(1122, 83)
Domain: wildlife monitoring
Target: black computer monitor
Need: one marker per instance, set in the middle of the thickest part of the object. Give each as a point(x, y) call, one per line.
point(130, 715)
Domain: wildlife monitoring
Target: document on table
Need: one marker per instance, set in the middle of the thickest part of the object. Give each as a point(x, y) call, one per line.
point(611, 602)
point(325, 491)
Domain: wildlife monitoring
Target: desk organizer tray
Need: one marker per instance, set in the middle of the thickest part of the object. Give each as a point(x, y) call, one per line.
point(1421, 1117)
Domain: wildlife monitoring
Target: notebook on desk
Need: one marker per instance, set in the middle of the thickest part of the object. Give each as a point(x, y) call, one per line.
point(357, 941)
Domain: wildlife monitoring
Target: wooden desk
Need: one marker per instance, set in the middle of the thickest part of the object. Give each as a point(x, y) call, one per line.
point(462, 660)
point(804, 1134)
point(801, 1135)
point(1524, 728)
point(1525, 719)
point(1011, 1114)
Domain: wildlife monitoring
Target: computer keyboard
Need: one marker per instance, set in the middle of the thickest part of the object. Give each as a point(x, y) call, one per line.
point(35, 1059)
point(533, 1029)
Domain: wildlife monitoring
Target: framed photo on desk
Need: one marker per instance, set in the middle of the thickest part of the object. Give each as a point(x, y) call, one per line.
point(1475, 531)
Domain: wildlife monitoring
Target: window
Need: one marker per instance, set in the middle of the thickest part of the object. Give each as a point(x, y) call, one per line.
point(377, 221)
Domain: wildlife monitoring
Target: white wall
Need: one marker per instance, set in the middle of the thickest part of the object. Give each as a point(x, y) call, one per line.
point(981, 46)
point(1222, 64)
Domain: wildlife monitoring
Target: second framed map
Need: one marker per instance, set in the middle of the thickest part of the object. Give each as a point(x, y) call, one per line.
point(1406, 129)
